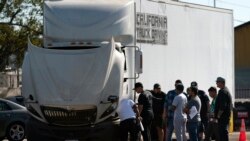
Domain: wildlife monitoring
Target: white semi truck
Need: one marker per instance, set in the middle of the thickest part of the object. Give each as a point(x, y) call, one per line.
point(91, 57)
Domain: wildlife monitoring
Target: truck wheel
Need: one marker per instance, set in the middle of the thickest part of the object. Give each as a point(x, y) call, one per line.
point(15, 132)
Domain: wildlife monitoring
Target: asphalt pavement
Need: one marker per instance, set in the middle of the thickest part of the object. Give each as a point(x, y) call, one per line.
point(232, 136)
point(235, 136)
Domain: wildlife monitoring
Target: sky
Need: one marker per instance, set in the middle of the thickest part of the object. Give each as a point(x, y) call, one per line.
point(241, 8)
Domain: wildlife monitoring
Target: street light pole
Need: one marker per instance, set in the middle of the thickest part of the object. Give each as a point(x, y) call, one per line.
point(214, 3)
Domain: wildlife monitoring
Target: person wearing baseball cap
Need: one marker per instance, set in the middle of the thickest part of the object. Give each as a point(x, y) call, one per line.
point(194, 84)
point(145, 109)
point(223, 108)
point(220, 79)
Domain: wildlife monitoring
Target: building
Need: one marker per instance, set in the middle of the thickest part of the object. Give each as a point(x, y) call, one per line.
point(242, 61)
point(10, 83)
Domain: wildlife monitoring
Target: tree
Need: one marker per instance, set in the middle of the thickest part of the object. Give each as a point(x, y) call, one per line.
point(19, 19)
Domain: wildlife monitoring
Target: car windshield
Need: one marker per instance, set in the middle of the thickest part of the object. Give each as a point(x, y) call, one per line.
point(8, 105)
point(14, 105)
point(4, 106)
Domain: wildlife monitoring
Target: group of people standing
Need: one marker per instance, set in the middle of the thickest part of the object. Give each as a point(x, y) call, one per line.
point(191, 112)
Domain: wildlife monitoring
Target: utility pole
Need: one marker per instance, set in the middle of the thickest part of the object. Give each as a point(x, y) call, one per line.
point(214, 3)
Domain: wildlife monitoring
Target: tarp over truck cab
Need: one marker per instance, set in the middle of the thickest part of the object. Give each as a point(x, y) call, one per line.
point(96, 20)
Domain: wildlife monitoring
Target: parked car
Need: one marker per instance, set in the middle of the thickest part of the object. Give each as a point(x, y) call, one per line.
point(12, 120)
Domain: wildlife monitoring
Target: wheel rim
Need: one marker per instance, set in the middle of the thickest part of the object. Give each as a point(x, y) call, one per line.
point(16, 132)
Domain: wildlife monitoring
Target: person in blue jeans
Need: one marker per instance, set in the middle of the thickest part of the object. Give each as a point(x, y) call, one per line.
point(192, 109)
point(168, 113)
point(204, 110)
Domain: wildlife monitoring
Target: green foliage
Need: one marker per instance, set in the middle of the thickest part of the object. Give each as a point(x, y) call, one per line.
point(19, 19)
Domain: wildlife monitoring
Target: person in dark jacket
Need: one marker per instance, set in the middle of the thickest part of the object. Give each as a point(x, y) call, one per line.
point(223, 108)
point(145, 110)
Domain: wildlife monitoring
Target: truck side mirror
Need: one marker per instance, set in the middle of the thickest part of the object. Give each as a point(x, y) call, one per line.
point(113, 98)
point(138, 61)
point(31, 97)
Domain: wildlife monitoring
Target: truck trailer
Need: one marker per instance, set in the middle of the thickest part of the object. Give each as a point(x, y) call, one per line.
point(185, 41)
point(92, 56)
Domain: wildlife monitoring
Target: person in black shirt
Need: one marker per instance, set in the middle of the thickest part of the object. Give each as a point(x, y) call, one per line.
point(145, 110)
point(158, 105)
point(223, 108)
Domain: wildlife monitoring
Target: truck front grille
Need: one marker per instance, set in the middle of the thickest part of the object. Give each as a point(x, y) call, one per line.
point(61, 116)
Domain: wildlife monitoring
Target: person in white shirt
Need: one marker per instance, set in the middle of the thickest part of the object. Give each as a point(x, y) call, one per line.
point(129, 116)
point(180, 118)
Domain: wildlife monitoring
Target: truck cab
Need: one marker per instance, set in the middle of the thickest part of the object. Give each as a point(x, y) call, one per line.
point(72, 85)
